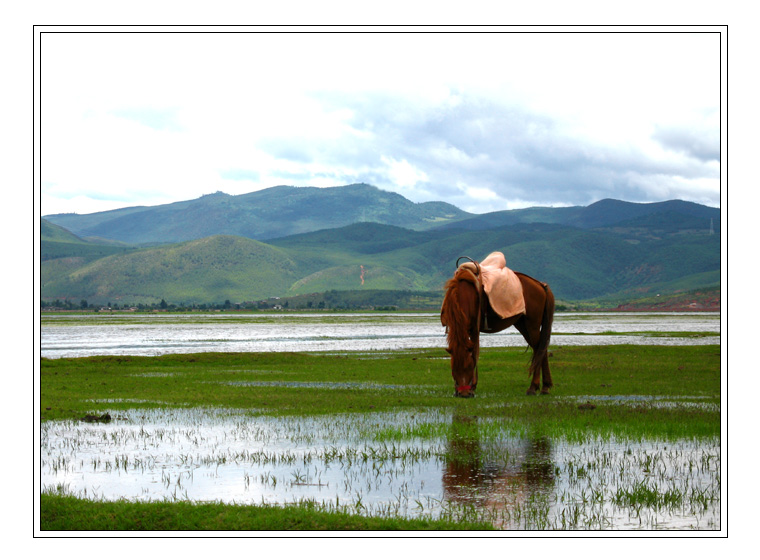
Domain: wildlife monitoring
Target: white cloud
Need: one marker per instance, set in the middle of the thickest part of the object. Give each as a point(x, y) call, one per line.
point(403, 173)
point(555, 118)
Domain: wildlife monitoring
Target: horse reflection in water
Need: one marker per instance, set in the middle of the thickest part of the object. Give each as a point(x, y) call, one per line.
point(495, 476)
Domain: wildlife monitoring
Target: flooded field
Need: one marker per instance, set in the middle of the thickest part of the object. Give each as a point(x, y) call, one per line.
point(65, 335)
point(412, 460)
point(421, 464)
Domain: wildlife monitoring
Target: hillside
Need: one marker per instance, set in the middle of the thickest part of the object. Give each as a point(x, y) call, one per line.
point(602, 214)
point(207, 270)
point(51, 232)
point(640, 255)
point(361, 239)
point(57, 243)
point(262, 215)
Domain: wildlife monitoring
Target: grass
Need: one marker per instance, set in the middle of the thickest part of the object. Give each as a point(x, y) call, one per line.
point(312, 384)
point(66, 513)
point(620, 393)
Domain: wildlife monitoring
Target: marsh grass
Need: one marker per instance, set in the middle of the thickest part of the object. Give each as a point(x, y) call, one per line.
point(356, 424)
point(64, 513)
point(313, 383)
point(329, 464)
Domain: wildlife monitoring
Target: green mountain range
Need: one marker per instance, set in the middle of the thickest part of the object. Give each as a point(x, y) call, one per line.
point(610, 248)
point(262, 215)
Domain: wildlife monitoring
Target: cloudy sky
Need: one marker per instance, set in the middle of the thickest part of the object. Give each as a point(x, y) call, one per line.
point(485, 121)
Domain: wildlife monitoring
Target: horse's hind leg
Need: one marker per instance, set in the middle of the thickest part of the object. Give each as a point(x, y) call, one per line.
point(535, 382)
point(531, 336)
point(546, 375)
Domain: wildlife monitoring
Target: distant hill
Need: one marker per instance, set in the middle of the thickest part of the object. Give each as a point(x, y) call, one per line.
point(604, 213)
point(288, 241)
point(51, 232)
point(57, 242)
point(212, 269)
point(266, 214)
point(635, 253)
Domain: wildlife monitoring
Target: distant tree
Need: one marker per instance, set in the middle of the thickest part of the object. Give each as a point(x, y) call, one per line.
point(163, 304)
point(83, 304)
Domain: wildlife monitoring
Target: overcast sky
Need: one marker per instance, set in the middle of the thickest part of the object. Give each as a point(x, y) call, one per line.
point(485, 121)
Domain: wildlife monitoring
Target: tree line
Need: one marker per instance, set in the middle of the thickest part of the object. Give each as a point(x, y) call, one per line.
point(381, 300)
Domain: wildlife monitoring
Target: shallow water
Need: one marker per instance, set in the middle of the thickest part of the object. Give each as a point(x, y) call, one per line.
point(410, 464)
point(155, 334)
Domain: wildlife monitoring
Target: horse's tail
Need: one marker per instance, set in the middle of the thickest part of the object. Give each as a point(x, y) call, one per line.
point(546, 331)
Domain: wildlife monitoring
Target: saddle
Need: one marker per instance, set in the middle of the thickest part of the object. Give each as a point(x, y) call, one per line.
point(501, 285)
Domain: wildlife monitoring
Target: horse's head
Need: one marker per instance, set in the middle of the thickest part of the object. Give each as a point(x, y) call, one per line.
point(464, 370)
point(460, 315)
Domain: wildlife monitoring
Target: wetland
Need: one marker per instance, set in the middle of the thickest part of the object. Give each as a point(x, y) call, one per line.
point(630, 439)
point(77, 335)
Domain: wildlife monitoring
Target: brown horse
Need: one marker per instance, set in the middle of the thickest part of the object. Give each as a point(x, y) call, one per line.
point(466, 313)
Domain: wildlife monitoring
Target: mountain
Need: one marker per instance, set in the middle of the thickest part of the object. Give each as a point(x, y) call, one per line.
point(266, 214)
point(284, 211)
point(604, 213)
point(658, 250)
point(288, 241)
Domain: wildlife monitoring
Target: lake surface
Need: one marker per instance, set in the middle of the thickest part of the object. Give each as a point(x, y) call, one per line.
point(73, 335)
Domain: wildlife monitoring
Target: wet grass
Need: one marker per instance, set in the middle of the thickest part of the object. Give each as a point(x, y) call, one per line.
point(625, 391)
point(586, 452)
point(64, 513)
point(656, 334)
point(312, 383)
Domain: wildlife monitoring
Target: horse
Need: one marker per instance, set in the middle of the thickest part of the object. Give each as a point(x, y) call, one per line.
point(466, 313)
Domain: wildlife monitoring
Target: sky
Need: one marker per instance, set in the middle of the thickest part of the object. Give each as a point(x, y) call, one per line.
point(484, 121)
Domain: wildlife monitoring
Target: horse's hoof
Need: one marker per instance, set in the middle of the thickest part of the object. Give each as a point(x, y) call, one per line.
point(545, 391)
point(531, 392)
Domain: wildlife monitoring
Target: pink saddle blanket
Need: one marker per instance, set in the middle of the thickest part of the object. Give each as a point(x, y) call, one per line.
point(503, 287)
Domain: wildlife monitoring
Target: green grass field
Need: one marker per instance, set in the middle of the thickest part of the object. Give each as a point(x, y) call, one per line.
point(308, 383)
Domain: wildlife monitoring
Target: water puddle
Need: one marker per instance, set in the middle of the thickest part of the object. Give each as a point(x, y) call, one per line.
point(425, 464)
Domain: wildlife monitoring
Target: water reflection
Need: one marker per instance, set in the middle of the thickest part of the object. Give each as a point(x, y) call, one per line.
point(500, 476)
point(387, 464)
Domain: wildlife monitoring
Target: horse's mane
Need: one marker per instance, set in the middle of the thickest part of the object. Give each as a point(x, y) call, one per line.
point(453, 317)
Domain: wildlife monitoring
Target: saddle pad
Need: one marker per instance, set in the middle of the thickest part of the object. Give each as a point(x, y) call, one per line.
point(502, 286)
